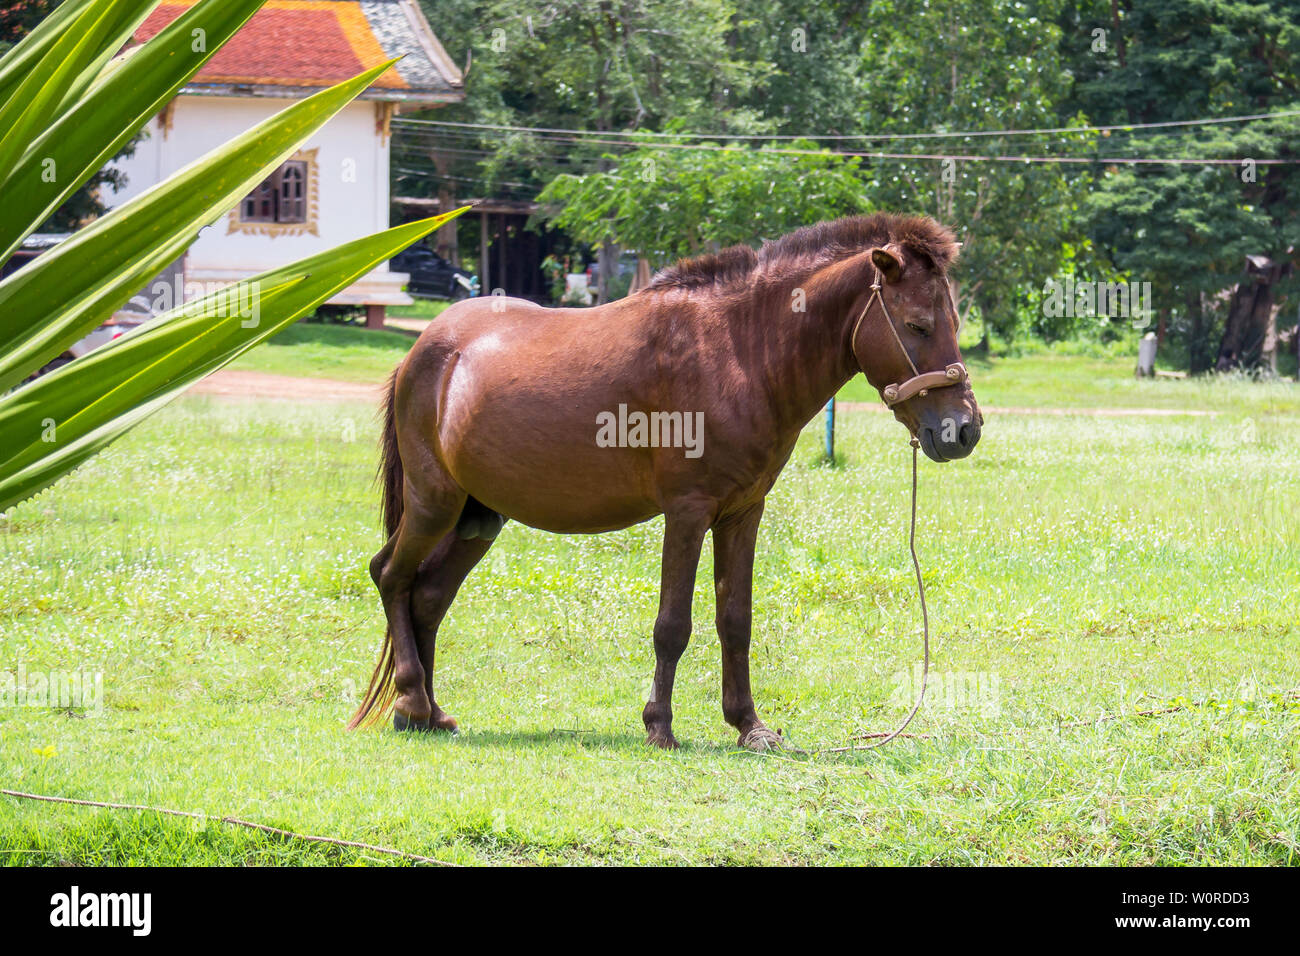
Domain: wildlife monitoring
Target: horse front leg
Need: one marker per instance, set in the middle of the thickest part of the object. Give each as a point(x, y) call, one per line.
point(684, 531)
point(733, 581)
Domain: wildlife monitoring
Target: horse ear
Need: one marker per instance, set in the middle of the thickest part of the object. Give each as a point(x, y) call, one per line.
point(889, 261)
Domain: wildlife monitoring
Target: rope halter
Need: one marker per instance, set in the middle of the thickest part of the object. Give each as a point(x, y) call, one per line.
point(921, 382)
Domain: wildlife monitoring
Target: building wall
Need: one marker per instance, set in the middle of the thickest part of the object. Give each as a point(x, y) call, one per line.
point(352, 173)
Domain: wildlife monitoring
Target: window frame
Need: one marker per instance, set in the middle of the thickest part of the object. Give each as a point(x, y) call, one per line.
point(285, 203)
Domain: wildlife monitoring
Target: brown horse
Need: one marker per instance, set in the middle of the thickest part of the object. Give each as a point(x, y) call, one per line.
point(684, 399)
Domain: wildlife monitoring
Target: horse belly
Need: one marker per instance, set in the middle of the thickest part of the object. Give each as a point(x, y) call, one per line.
point(519, 419)
point(550, 474)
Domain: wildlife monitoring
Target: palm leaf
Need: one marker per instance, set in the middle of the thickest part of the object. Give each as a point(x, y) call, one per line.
point(95, 272)
point(96, 126)
point(88, 403)
point(69, 102)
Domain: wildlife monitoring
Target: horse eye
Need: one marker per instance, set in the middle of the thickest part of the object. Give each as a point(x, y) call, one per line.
point(918, 329)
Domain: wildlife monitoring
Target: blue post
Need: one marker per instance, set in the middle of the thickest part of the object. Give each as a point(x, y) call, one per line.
point(830, 430)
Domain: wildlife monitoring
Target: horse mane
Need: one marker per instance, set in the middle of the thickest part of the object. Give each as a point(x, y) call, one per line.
point(814, 246)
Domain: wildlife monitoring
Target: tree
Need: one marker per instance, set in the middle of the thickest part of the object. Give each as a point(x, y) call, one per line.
point(18, 17)
point(664, 202)
point(590, 65)
point(1189, 229)
point(1250, 329)
point(898, 67)
point(810, 54)
point(975, 65)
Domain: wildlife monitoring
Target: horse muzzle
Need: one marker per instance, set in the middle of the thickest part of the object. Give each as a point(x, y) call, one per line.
point(950, 437)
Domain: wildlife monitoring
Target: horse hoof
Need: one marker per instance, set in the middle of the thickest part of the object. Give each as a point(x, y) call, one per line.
point(402, 723)
point(445, 722)
point(664, 741)
point(761, 740)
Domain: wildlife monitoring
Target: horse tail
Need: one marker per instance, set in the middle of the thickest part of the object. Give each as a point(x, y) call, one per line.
point(382, 691)
point(391, 475)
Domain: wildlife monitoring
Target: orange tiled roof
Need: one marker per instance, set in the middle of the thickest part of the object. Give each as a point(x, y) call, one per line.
point(316, 43)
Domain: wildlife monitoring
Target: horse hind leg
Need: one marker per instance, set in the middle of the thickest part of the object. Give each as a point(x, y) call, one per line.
point(436, 585)
point(428, 515)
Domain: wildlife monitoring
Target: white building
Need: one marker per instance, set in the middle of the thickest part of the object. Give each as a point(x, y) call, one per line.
point(335, 188)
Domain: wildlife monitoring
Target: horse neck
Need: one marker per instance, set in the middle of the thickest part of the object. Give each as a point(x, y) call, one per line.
point(813, 359)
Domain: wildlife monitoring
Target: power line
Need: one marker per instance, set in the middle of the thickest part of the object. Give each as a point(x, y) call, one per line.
point(962, 157)
point(864, 137)
point(973, 158)
point(434, 174)
point(570, 140)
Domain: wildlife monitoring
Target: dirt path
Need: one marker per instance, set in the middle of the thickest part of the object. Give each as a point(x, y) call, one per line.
point(230, 383)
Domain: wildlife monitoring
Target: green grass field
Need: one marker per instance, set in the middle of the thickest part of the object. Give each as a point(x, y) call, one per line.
point(346, 353)
point(212, 567)
point(419, 309)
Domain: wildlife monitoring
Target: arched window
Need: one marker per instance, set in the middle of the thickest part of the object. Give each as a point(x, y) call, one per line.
point(293, 192)
point(259, 205)
point(281, 197)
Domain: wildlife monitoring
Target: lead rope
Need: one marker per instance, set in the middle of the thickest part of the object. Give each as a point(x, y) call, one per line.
point(925, 621)
point(911, 540)
point(876, 293)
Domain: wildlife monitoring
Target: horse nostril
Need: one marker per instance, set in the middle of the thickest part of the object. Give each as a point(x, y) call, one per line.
point(967, 436)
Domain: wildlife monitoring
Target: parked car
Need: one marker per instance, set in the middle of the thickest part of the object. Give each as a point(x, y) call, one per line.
point(32, 247)
point(432, 276)
point(122, 322)
point(114, 328)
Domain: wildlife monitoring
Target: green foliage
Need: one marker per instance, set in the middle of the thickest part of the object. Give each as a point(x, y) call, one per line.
point(646, 64)
point(17, 19)
point(974, 65)
point(907, 67)
point(1188, 229)
point(665, 203)
point(66, 105)
point(807, 57)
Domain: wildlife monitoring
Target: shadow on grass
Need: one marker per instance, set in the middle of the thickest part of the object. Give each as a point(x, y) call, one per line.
point(529, 739)
point(556, 738)
point(634, 744)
